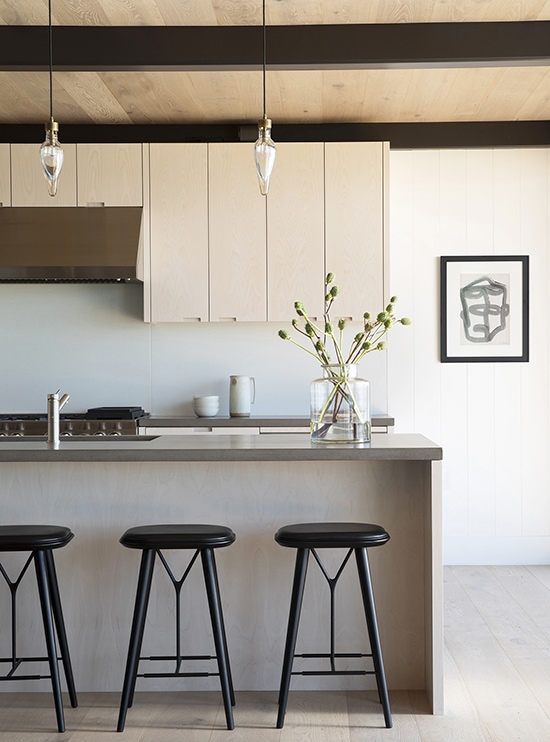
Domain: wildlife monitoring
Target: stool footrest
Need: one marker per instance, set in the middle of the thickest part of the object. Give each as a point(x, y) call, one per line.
point(174, 658)
point(177, 674)
point(336, 654)
point(17, 662)
point(334, 672)
point(178, 661)
point(26, 659)
point(25, 677)
point(332, 657)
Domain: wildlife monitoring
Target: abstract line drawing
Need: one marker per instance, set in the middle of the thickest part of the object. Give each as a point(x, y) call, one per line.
point(485, 309)
point(484, 305)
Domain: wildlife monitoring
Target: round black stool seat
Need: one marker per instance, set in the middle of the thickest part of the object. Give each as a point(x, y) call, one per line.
point(331, 535)
point(177, 536)
point(30, 537)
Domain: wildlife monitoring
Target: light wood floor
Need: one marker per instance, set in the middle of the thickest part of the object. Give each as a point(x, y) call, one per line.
point(497, 679)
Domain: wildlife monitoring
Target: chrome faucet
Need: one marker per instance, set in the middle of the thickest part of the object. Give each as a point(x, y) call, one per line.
point(54, 405)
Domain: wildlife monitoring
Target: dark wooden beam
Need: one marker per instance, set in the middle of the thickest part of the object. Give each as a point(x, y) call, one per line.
point(400, 136)
point(141, 48)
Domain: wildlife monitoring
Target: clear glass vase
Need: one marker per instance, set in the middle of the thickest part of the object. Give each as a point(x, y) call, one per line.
point(340, 406)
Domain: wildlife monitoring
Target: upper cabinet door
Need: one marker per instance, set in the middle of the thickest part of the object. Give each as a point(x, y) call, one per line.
point(5, 175)
point(29, 187)
point(237, 224)
point(110, 174)
point(295, 230)
point(179, 232)
point(356, 185)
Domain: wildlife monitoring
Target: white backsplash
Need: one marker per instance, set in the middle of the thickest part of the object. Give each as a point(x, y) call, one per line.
point(90, 341)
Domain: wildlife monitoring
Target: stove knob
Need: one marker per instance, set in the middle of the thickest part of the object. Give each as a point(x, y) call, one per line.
point(99, 432)
point(16, 435)
point(66, 434)
point(114, 432)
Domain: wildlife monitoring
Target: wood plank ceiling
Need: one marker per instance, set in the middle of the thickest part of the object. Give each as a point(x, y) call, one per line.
point(508, 89)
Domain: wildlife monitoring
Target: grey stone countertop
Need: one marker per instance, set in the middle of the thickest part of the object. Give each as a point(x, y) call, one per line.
point(225, 421)
point(200, 447)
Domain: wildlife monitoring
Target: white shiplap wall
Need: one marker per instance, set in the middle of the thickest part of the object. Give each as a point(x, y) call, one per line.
point(490, 418)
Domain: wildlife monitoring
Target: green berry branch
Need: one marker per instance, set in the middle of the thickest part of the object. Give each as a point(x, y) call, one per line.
point(366, 341)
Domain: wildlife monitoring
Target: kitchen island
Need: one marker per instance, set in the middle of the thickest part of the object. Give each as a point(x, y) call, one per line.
point(254, 484)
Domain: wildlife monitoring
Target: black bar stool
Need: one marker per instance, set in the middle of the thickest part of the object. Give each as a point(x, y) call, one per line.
point(40, 541)
point(357, 538)
point(151, 540)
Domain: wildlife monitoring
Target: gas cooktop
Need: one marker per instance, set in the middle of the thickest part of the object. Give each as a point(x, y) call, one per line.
point(96, 421)
point(94, 413)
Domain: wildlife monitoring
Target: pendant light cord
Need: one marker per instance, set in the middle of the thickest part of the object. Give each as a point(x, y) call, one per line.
point(51, 55)
point(264, 55)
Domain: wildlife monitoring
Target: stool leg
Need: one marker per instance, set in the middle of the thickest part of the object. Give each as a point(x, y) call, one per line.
point(372, 626)
point(300, 571)
point(45, 604)
point(224, 637)
point(216, 617)
point(60, 626)
point(136, 635)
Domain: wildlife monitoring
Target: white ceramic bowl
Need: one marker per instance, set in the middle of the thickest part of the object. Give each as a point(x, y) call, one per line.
point(206, 411)
point(206, 406)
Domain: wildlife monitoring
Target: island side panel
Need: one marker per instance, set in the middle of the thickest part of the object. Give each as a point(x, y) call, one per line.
point(98, 576)
point(433, 534)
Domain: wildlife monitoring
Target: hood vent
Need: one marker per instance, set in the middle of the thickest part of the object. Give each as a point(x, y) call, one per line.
point(69, 244)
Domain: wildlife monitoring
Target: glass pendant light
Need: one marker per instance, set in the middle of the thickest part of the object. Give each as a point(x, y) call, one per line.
point(264, 148)
point(51, 152)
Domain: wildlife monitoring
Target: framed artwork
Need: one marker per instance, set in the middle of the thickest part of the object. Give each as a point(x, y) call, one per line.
point(484, 308)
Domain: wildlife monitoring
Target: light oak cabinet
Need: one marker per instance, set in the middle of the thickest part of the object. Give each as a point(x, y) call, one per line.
point(28, 184)
point(5, 175)
point(356, 229)
point(295, 230)
point(237, 229)
point(222, 252)
point(179, 232)
point(109, 174)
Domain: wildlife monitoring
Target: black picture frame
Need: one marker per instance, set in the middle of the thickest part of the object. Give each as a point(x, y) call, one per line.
point(495, 289)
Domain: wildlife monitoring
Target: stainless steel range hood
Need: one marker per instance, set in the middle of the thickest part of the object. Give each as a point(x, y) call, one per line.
point(70, 244)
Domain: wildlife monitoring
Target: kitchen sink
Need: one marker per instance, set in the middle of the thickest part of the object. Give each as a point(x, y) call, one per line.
point(80, 439)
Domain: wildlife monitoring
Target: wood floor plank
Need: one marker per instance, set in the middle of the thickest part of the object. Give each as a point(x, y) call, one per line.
point(461, 721)
point(316, 717)
point(523, 629)
point(25, 716)
point(502, 604)
point(504, 702)
point(255, 716)
point(541, 572)
point(102, 717)
point(366, 719)
point(530, 588)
